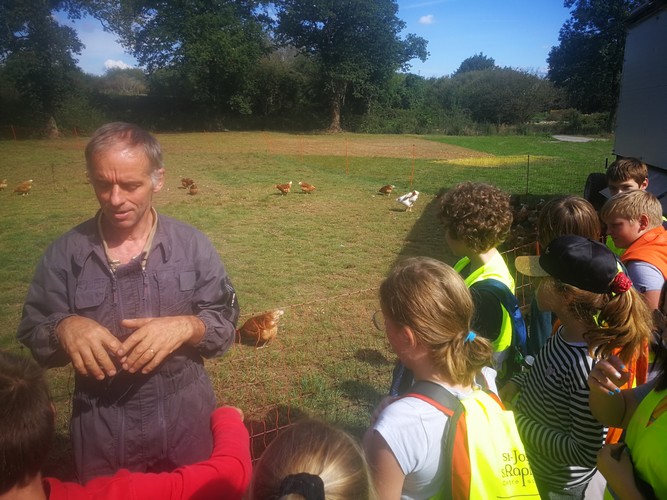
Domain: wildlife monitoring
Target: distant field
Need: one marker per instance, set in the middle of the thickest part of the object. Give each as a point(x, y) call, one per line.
point(319, 256)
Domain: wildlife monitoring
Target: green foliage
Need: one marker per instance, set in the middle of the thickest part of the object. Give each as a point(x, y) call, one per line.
point(587, 62)
point(208, 48)
point(356, 44)
point(36, 56)
point(501, 95)
point(478, 62)
point(131, 81)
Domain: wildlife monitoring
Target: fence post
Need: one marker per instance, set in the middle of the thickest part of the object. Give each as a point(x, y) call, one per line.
point(346, 158)
point(13, 131)
point(412, 174)
point(527, 173)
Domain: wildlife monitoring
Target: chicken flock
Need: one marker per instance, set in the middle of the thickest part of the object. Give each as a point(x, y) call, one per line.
point(22, 188)
point(287, 187)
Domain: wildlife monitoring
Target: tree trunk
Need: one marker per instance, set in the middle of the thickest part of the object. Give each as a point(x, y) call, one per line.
point(338, 90)
point(334, 127)
point(52, 131)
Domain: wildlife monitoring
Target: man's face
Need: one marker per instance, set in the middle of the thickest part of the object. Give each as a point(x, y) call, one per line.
point(616, 187)
point(121, 177)
point(623, 231)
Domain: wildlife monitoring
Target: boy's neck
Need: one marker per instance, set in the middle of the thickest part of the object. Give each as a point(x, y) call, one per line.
point(481, 259)
point(34, 490)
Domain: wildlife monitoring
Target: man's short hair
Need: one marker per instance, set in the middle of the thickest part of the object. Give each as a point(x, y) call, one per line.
point(628, 168)
point(632, 205)
point(114, 133)
point(26, 420)
point(476, 213)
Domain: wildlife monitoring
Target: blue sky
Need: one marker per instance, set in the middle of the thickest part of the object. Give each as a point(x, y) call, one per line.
point(516, 33)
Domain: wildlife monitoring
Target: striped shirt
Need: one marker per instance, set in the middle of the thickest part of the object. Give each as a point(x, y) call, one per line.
point(560, 434)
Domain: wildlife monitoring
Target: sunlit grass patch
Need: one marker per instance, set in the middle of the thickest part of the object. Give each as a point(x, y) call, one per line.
point(496, 161)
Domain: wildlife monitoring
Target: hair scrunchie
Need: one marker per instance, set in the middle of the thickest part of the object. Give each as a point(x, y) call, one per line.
point(309, 486)
point(471, 336)
point(621, 283)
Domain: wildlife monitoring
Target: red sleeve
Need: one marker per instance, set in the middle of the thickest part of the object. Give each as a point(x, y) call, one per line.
point(226, 474)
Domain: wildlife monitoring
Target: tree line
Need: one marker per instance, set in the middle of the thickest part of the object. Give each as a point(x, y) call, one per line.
point(294, 65)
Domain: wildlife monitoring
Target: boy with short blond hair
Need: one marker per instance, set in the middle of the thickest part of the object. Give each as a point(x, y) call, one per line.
point(634, 222)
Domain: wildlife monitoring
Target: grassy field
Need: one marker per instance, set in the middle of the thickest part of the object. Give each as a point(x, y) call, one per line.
point(318, 256)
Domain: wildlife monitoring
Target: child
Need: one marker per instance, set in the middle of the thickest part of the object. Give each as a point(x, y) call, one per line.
point(636, 468)
point(26, 432)
point(626, 174)
point(634, 222)
point(426, 310)
point(477, 218)
point(558, 217)
point(314, 461)
point(600, 314)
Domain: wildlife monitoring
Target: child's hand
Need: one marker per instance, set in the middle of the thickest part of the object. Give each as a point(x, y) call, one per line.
point(608, 375)
point(616, 466)
point(508, 394)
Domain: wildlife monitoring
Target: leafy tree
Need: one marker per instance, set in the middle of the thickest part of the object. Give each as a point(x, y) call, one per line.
point(36, 54)
point(210, 47)
point(477, 62)
point(501, 95)
point(356, 43)
point(118, 81)
point(587, 62)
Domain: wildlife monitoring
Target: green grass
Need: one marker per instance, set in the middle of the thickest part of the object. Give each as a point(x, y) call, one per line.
point(320, 257)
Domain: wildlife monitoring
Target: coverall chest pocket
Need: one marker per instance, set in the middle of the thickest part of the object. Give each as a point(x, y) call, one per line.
point(90, 294)
point(176, 290)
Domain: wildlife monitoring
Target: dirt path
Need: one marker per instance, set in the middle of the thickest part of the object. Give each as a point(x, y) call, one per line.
point(354, 145)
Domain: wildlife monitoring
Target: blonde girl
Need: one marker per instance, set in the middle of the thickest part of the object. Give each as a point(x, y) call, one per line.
point(312, 460)
point(426, 310)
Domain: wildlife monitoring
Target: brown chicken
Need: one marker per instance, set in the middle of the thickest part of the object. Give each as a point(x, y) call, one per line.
point(24, 188)
point(386, 190)
point(3, 184)
point(193, 189)
point(306, 188)
point(284, 188)
point(186, 182)
point(262, 328)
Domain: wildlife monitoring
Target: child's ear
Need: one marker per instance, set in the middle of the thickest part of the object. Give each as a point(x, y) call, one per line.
point(644, 184)
point(643, 222)
point(409, 336)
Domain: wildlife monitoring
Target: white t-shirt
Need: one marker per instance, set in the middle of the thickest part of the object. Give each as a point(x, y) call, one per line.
point(414, 431)
point(645, 276)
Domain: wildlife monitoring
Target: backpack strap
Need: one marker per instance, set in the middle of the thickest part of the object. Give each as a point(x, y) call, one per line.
point(509, 301)
point(458, 473)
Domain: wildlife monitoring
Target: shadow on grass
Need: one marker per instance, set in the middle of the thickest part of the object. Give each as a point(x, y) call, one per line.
point(426, 238)
point(372, 357)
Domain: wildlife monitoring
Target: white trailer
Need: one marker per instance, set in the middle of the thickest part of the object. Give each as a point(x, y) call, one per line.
point(641, 116)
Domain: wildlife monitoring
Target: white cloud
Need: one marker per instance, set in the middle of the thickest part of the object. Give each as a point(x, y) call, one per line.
point(110, 63)
point(428, 19)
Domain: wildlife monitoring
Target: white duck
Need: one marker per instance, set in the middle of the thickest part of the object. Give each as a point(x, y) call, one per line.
point(408, 199)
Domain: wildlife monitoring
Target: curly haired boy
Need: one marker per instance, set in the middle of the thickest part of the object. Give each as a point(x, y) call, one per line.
point(477, 218)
